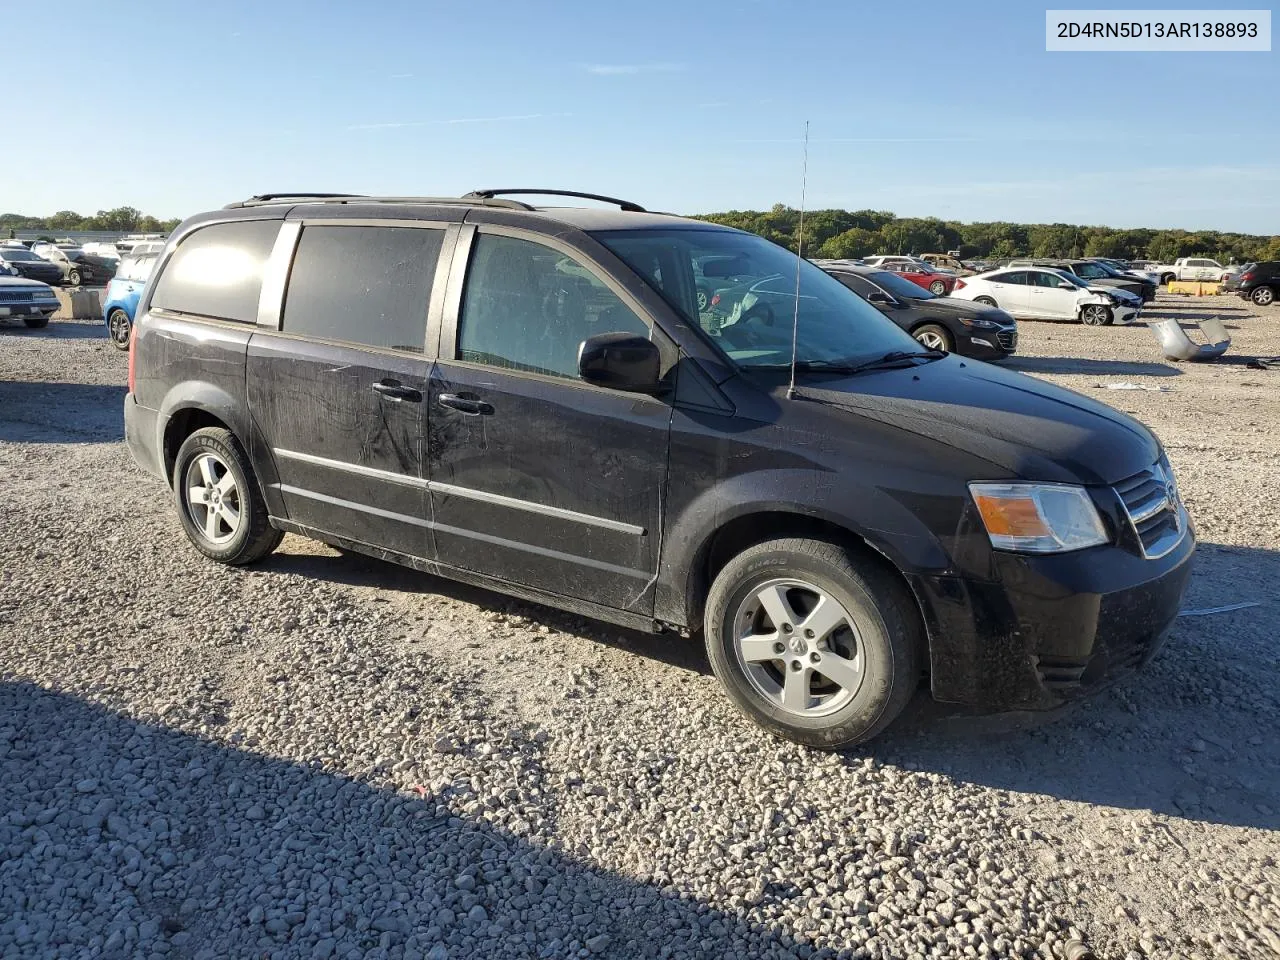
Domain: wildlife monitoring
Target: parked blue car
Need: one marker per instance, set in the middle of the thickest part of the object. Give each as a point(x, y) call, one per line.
point(122, 295)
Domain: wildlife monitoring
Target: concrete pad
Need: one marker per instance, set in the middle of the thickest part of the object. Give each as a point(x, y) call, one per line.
point(1197, 288)
point(79, 303)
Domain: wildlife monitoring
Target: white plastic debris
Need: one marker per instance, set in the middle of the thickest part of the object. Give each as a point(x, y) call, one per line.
point(1206, 611)
point(1125, 385)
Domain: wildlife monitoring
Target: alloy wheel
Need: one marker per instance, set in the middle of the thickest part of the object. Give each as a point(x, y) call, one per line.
point(1094, 315)
point(938, 288)
point(798, 647)
point(1264, 296)
point(931, 340)
point(119, 328)
point(213, 498)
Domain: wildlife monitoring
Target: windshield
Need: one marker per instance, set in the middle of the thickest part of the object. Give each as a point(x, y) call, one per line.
point(1074, 280)
point(740, 289)
point(12, 254)
point(1091, 271)
point(900, 286)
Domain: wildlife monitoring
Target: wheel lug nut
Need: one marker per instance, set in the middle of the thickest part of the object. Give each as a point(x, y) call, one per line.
point(787, 628)
point(779, 648)
point(814, 657)
point(809, 633)
point(795, 665)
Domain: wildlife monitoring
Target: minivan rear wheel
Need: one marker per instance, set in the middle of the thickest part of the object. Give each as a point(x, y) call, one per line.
point(814, 643)
point(219, 499)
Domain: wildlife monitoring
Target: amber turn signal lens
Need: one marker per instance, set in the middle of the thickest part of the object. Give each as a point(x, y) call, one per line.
point(1011, 516)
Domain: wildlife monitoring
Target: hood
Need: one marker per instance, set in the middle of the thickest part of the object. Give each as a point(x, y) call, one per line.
point(7, 281)
point(944, 307)
point(1025, 427)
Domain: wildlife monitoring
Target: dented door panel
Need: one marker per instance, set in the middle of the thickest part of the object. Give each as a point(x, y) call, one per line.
point(345, 431)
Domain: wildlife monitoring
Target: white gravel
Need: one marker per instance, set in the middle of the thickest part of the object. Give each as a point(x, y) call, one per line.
point(332, 756)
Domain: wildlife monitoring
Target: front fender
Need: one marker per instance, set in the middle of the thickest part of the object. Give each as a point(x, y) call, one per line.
point(885, 521)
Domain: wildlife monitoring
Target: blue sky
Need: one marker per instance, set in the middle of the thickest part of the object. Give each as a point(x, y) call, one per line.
point(945, 109)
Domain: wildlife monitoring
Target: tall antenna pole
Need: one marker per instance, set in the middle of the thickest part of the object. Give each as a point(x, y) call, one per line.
point(795, 319)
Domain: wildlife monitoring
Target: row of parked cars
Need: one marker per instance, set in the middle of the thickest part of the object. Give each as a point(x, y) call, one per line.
point(28, 269)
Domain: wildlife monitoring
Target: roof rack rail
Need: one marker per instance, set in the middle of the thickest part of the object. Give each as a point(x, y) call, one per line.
point(626, 205)
point(268, 199)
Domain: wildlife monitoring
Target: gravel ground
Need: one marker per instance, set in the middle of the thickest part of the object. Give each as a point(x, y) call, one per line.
point(331, 756)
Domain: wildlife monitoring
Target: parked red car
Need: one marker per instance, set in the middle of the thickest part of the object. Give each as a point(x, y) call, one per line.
point(939, 284)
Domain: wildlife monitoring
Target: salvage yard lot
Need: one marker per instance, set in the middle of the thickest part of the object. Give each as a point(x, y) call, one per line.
point(327, 755)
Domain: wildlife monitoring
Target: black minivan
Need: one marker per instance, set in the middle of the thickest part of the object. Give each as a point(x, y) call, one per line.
point(530, 399)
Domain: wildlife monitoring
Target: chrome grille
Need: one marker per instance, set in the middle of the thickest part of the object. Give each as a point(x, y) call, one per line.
point(1154, 509)
point(16, 296)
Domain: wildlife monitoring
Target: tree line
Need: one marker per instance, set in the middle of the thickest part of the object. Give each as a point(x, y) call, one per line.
point(123, 219)
point(861, 233)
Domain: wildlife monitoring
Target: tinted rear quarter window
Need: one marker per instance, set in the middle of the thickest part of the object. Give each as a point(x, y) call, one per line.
point(217, 271)
point(365, 285)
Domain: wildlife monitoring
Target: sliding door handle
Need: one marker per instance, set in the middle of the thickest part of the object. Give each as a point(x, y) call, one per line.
point(467, 405)
point(396, 391)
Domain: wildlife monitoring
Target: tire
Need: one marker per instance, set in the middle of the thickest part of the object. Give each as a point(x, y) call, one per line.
point(704, 299)
point(985, 301)
point(250, 537)
point(35, 323)
point(119, 326)
point(935, 337)
point(1263, 296)
point(73, 277)
point(938, 288)
point(877, 619)
point(1096, 315)
point(1168, 278)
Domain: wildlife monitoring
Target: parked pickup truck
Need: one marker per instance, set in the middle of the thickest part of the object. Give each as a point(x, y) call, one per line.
point(1190, 268)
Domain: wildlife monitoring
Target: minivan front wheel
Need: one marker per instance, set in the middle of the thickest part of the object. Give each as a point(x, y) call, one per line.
point(815, 644)
point(219, 500)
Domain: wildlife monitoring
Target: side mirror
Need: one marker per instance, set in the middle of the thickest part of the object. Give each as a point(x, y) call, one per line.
point(621, 361)
point(877, 297)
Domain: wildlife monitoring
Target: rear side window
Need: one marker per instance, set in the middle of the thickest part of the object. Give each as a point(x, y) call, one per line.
point(217, 271)
point(529, 307)
point(1017, 277)
point(365, 285)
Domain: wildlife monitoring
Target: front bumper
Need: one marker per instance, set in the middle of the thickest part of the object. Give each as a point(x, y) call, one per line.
point(1045, 630)
point(988, 344)
point(21, 311)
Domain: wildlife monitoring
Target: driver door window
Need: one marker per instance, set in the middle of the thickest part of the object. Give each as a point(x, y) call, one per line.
point(528, 307)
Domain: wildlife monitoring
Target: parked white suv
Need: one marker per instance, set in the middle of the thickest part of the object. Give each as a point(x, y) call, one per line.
point(1038, 293)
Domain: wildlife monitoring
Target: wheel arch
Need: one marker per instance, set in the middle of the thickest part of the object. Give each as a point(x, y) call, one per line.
point(770, 522)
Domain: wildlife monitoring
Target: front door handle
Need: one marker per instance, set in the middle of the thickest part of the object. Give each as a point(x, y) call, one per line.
point(472, 408)
point(396, 391)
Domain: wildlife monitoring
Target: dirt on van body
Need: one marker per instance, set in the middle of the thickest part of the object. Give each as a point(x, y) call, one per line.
point(327, 755)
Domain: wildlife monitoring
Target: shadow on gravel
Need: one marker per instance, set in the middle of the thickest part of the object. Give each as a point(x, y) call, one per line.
point(34, 411)
point(357, 570)
point(1193, 735)
point(1102, 368)
point(58, 330)
point(123, 839)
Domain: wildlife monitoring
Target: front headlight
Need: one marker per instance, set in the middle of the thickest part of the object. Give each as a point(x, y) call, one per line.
point(980, 324)
point(1038, 517)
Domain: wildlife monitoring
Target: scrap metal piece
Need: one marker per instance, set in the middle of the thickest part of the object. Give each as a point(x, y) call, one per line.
point(1178, 346)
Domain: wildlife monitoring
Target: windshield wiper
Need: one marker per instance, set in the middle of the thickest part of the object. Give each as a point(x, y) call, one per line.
point(842, 366)
point(894, 357)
